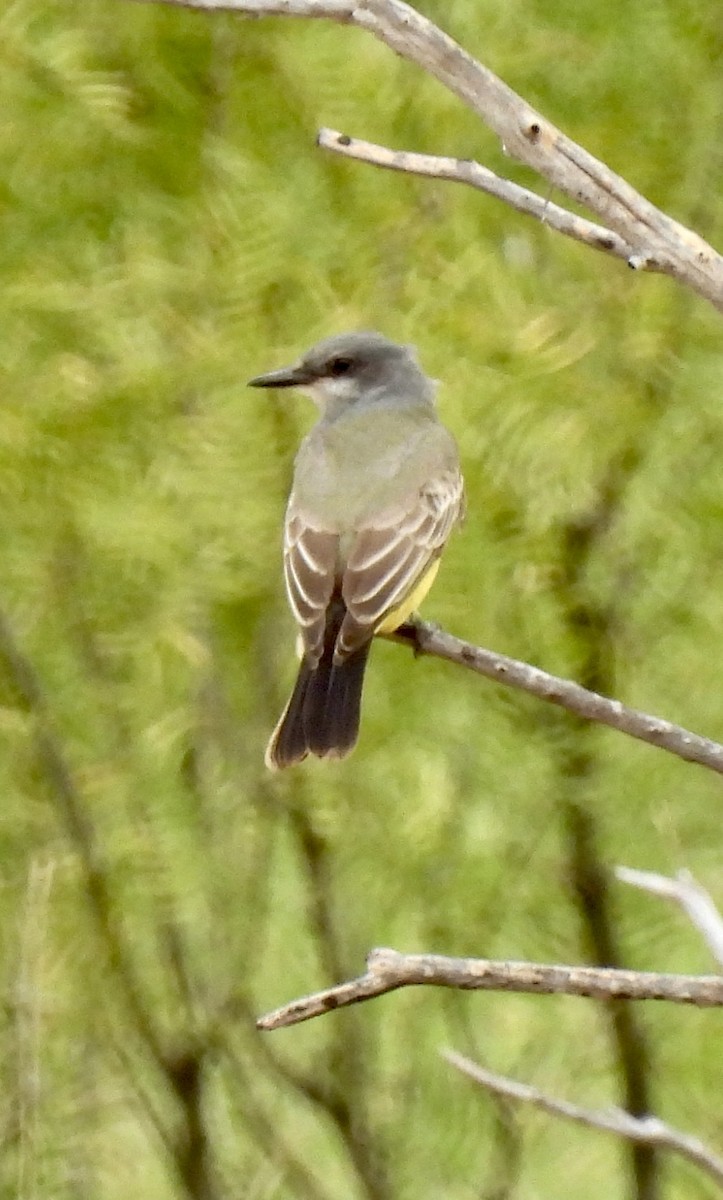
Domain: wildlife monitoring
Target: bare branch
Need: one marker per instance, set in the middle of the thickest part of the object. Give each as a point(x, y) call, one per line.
point(659, 243)
point(696, 902)
point(388, 970)
point(647, 1130)
point(333, 10)
point(465, 170)
point(426, 638)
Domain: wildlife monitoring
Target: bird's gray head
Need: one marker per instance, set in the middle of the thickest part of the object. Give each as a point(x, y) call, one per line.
point(350, 367)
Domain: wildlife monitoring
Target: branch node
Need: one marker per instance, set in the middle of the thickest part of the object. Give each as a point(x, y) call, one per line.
point(568, 168)
point(641, 262)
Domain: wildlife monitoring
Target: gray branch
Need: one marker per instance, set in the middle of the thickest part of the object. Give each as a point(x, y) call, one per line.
point(695, 901)
point(647, 1130)
point(658, 243)
point(426, 638)
point(473, 174)
point(388, 970)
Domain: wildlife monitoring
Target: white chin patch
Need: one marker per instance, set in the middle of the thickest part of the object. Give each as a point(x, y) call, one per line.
point(330, 390)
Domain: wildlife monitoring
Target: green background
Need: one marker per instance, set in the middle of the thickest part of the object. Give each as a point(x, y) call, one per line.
point(168, 231)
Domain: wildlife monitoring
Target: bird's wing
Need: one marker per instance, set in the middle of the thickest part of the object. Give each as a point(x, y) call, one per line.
point(310, 567)
point(392, 551)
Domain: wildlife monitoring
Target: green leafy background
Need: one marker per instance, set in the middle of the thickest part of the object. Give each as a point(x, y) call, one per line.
point(169, 230)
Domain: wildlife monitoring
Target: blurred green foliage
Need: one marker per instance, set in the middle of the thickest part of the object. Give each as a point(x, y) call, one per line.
point(169, 230)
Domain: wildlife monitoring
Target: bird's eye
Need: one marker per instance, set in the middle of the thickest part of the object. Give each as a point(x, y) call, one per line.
point(340, 366)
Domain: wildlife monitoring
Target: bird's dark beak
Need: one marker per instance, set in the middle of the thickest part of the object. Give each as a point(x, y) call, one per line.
point(286, 377)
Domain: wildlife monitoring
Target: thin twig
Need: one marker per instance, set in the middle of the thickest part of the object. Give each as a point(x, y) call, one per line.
point(388, 970)
point(696, 902)
point(426, 638)
point(647, 1130)
point(473, 174)
point(659, 242)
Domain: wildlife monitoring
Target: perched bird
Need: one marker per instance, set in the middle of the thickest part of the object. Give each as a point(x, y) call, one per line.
point(376, 493)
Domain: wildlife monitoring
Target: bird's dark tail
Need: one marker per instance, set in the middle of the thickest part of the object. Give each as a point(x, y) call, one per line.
point(322, 716)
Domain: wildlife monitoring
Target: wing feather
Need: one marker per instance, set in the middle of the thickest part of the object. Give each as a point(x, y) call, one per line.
point(310, 559)
point(388, 555)
point(392, 552)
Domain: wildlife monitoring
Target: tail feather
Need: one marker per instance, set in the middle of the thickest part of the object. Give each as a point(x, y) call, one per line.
point(331, 716)
point(322, 715)
point(288, 743)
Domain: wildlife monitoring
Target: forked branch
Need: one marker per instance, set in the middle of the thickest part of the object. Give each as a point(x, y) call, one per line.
point(656, 241)
point(473, 174)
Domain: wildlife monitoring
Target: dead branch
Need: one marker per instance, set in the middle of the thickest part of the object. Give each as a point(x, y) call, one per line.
point(648, 1131)
point(696, 902)
point(388, 970)
point(426, 638)
point(658, 242)
point(473, 174)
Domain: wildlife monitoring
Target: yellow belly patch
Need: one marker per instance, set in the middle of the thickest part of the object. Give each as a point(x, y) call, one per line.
point(410, 603)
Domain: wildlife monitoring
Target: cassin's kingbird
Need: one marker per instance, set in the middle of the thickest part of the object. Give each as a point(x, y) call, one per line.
point(377, 490)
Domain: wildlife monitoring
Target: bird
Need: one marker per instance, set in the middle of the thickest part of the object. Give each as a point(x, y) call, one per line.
point(377, 490)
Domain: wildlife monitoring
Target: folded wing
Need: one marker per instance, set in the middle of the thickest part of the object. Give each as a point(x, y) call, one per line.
point(388, 555)
point(310, 570)
point(392, 552)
